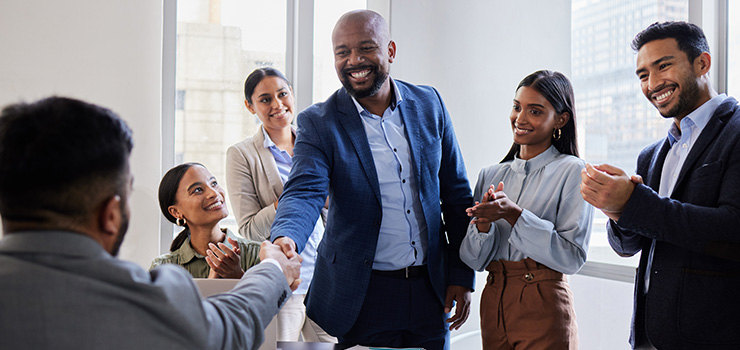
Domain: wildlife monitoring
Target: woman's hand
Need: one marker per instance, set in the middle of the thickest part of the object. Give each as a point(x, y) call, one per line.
point(225, 262)
point(496, 205)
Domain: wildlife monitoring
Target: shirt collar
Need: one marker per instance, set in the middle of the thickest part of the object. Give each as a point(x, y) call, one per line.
point(697, 118)
point(527, 166)
point(394, 102)
point(268, 141)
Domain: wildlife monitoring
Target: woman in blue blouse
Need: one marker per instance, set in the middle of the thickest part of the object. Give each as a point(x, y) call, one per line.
point(531, 225)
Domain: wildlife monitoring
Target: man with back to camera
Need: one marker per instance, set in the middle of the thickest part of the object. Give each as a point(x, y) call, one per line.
point(65, 181)
point(685, 218)
point(385, 150)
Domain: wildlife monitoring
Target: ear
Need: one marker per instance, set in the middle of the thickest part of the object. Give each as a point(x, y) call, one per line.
point(173, 211)
point(249, 107)
point(391, 51)
point(563, 119)
point(702, 63)
point(110, 219)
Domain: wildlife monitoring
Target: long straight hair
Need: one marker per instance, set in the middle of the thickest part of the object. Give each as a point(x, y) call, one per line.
point(556, 88)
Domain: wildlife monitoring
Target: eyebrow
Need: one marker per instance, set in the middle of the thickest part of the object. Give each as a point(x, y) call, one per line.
point(268, 94)
point(212, 178)
point(364, 42)
point(531, 104)
point(655, 63)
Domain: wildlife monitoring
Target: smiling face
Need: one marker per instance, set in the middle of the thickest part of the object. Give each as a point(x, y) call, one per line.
point(533, 120)
point(273, 102)
point(199, 198)
point(363, 53)
point(667, 78)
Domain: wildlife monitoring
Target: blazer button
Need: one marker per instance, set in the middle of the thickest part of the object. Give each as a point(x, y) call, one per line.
point(528, 277)
point(367, 263)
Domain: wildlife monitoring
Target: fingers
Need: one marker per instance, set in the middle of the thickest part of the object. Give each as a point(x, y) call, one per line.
point(636, 179)
point(295, 284)
point(500, 186)
point(461, 297)
point(287, 246)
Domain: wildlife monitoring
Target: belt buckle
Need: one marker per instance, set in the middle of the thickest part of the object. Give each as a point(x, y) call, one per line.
point(407, 272)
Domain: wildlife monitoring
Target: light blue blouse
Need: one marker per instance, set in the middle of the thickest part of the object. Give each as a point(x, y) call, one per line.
point(555, 225)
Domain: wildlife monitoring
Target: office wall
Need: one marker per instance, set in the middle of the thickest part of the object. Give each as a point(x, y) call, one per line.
point(105, 52)
point(476, 52)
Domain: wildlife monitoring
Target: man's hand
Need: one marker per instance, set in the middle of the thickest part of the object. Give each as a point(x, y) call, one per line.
point(461, 296)
point(287, 245)
point(608, 188)
point(224, 262)
point(291, 266)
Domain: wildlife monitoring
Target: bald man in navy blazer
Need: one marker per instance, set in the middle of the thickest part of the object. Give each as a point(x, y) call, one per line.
point(685, 218)
point(385, 152)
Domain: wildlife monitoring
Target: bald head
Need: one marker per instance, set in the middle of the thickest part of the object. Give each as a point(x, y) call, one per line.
point(371, 21)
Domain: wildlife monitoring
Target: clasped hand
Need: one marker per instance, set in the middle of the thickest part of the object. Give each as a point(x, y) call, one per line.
point(608, 188)
point(494, 205)
point(285, 254)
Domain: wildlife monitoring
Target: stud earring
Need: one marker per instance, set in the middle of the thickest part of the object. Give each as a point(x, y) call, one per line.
point(181, 222)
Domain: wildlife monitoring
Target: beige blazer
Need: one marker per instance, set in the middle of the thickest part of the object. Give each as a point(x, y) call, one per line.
point(254, 185)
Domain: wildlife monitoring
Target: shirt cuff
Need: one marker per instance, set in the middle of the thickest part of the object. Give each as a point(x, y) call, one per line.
point(274, 262)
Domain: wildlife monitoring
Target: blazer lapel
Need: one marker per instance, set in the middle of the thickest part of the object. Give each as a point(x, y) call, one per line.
point(655, 170)
point(269, 166)
point(707, 136)
point(352, 124)
point(412, 125)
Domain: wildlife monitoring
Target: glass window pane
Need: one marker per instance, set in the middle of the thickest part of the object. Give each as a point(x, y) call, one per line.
point(615, 121)
point(219, 42)
point(326, 14)
point(733, 49)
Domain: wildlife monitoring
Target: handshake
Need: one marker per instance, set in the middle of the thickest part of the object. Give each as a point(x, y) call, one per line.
point(284, 252)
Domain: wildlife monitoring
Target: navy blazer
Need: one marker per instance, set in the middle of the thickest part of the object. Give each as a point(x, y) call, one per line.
point(693, 300)
point(332, 154)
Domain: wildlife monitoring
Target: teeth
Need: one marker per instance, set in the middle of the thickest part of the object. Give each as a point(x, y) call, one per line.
point(213, 205)
point(663, 96)
point(280, 114)
point(360, 74)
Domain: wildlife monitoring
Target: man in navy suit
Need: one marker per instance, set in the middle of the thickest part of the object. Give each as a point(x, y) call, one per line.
point(385, 152)
point(685, 218)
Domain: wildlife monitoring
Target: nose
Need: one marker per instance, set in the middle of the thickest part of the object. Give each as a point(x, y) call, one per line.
point(356, 58)
point(211, 193)
point(654, 82)
point(276, 103)
point(519, 117)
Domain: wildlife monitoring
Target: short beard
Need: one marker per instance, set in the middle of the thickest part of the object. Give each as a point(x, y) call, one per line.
point(688, 99)
point(380, 78)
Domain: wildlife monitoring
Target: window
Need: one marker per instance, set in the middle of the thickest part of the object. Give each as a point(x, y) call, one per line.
point(219, 42)
point(326, 14)
point(615, 120)
point(733, 49)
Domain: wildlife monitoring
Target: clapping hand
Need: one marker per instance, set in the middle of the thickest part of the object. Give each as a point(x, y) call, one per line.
point(225, 262)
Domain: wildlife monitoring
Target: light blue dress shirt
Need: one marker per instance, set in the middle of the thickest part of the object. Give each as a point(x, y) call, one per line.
point(555, 225)
point(402, 240)
point(681, 140)
point(284, 162)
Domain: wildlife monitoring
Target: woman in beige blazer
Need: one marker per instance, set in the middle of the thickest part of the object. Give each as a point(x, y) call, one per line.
point(256, 169)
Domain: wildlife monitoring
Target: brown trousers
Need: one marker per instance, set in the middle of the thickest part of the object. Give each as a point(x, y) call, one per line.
point(526, 305)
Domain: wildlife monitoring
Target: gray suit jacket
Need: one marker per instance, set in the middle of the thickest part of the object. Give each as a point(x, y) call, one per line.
point(61, 290)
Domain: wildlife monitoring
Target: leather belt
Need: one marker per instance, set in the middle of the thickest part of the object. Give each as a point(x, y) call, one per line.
point(407, 272)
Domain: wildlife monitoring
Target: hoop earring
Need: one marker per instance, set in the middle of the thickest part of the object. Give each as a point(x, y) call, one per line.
point(556, 134)
point(181, 222)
